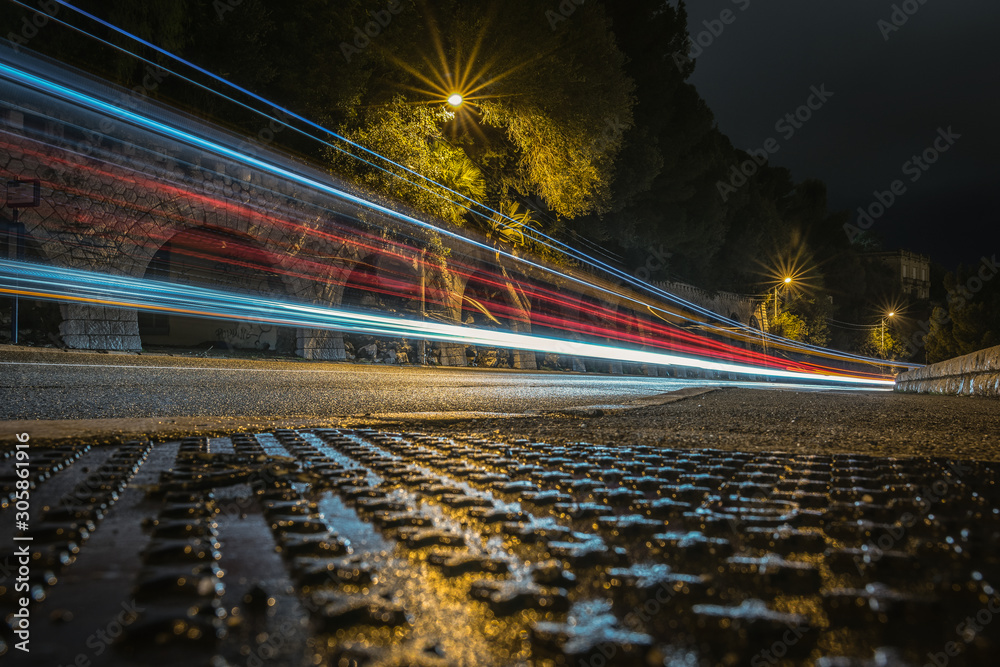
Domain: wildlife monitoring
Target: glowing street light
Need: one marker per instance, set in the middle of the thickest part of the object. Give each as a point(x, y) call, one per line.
point(455, 100)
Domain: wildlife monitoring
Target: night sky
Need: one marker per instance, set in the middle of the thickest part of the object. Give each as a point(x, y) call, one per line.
point(938, 70)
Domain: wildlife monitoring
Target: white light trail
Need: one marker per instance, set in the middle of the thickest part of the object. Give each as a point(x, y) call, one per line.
point(61, 284)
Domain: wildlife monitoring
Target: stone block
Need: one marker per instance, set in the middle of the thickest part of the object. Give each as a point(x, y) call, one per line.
point(73, 328)
point(320, 345)
point(99, 328)
point(76, 341)
point(524, 359)
point(451, 354)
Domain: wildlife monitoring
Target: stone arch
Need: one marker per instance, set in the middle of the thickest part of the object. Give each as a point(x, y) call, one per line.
point(598, 319)
point(387, 282)
point(218, 258)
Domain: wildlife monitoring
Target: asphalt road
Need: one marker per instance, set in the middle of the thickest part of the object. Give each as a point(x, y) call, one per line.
point(69, 385)
point(89, 396)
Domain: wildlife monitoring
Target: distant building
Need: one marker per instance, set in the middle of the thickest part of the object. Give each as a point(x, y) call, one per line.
point(912, 271)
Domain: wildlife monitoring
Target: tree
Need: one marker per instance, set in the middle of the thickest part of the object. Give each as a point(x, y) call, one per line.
point(883, 342)
point(410, 135)
point(789, 325)
point(582, 113)
point(970, 321)
point(664, 188)
point(544, 113)
point(814, 313)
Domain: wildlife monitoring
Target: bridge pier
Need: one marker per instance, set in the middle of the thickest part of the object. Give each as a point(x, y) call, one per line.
point(451, 354)
point(99, 328)
point(320, 345)
point(524, 359)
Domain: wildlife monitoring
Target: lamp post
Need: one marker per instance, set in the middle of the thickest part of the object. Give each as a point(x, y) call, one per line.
point(787, 281)
point(882, 334)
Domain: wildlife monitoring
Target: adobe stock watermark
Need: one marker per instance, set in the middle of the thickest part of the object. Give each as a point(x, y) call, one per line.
point(901, 13)
point(656, 260)
point(372, 29)
point(270, 647)
point(787, 126)
point(101, 640)
point(613, 131)
point(257, 481)
point(915, 168)
point(278, 123)
point(958, 298)
point(562, 13)
point(967, 631)
point(635, 620)
point(152, 77)
point(697, 43)
point(777, 651)
point(32, 25)
point(223, 7)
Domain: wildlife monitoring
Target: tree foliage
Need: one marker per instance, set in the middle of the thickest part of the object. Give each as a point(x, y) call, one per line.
point(411, 136)
point(545, 108)
point(789, 325)
point(883, 343)
point(814, 313)
point(970, 321)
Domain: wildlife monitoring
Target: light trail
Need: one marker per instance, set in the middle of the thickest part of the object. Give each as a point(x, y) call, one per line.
point(61, 284)
point(710, 319)
point(650, 333)
point(90, 102)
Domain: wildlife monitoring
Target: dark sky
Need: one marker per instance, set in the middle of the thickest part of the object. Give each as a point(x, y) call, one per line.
point(940, 69)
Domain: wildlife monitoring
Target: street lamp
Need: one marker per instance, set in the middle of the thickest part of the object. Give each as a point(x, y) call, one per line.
point(882, 334)
point(787, 281)
point(455, 100)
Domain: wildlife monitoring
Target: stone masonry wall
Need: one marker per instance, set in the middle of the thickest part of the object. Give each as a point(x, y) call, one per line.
point(111, 209)
point(976, 374)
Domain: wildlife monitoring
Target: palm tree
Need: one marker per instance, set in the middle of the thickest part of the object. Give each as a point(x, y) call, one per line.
point(510, 229)
point(461, 175)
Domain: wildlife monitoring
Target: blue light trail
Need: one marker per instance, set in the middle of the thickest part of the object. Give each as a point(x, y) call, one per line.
point(62, 284)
